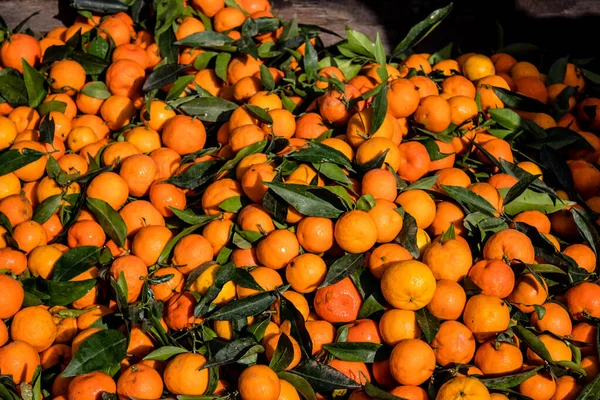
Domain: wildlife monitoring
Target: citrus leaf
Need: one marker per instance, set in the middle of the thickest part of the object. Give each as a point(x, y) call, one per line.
point(469, 199)
point(591, 390)
point(324, 378)
point(99, 47)
point(190, 217)
point(101, 350)
point(429, 324)
point(557, 71)
point(289, 312)
point(34, 83)
point(310, 61)
point(317, 153)
point(59, 293)
point(283, 355)
point(509, 381)
point(205, 39)
point(196, 175)
point(223, 275)
point(424, 183)
point(231, 352)
point(533, 342)
point(506, 118)
point(587, 229)
point(46, 208)
point(47, 130)
point(53, 105)
point(221, 65)
point(519, 101)
point(374, 392)
point(75, 262)
point(407, 237)
point(519, 188)
point(419, 31)
point(13, 90)
point(299, 383)
point(266, 78)
point(209, 109)
point(245, 307)
point(308, 200)
point(259, 113)
point(110, 220)
point(342, 268)
point(166, 252)
point(12, 160)
point(530, 200)
point(380, 106)
point(354, 351)
point(163, 76)
point(179, 86)
point(244, 279)
point(164, 353)
point(97, 90)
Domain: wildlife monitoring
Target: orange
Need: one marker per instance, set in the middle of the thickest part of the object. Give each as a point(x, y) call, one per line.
point(116, 28)
point(574, 77)
point(216, 193)
point(488, 97)
point(17, 208)
point(433, 113)
point(241, 66)
point(86, 233)
point(271, 344)
point(34, 326)
point(463, 388)
point(183, 374)
point(12, 260)
point(149, 242)
point(140, 381)
point(117, 111)
point(259, 382)
point(134, 271)
point(509, 245)
point(398, 325)
point(35, 170)
point(447, 213)
point(539, 387)
point(333, 105)
point(278, 249)
point(315, 234)
point(179, 312)
point(11, 296)
point(493, 277)
point(403, 98)
point(191, 252)
point(19, 360)
point(388, 221)
point(453, 343)
point(29, 235)
point(157, 116)
point(408, 285)
point(379, 183)
point(412, 362)
point(478, 66)
point(90, 386)
point(462, 109)
point(503, 62)
point(581, 300)
point(528, 291)
point(266, 278)
point(310, 126)
point(321, 332)
point(355, 231)
point(139, 172)
point(384, 256)
point(583, 256)
point(66, 76)
point(306, 272)
point(410, 392)
point(19, 46)
point(449, 252)
point(567, 388)
point(486, 316)
point(163, 291)
point(425, 86)
point(419, 205)
point(255, 218)
point(183, 126)
point(144, 138)
point(339, 302)
point(457, 85)
point(138, 214)
point(448, 301)
point(498, 358)
point(359, 129)
point(522, 69)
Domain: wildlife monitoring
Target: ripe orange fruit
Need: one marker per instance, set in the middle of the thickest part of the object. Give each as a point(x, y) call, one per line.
point(19, 46)
point(528, 291)
point(339, 302)
point(463, 388)
point(493, 277)
point(408, 285)
point(355, 231)
point(448, 300)
point(485, 325)
point(412, 362)
point(497, 359)
point(581, 300)
point(539, 387)
point(440, 254)
point(453, 343)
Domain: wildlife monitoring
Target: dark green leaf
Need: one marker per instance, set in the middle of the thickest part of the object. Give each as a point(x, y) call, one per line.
point(354, 351)
point(407, 237)
point(196, 175)
point(47, 208)
point(91, 64)
point(429, 324)
point(259, 113)
point(12, 160)
point(424, 184)
point(75, 262)
point(380, 106)
point(510, 381)
point(221, 65)
point(97, 90)
point(519, 188)
point(190, 217)
point(506, 118)
point(533, 342)
point(380, 394)
point(266, 78)
point(299, 383)
point(232, 204)
point(246, 307)
point(587, 229)
point(47, 128)
point(63, 293)
point(324, 378)
point(317, 153)
point(99, 47)
point(519, 101)
point(13, 90)
point(557, 71)
point(530, 200)
point(163, 76)
point(53, 105)
point(111, 221)
point(34, 83)
point(179, 86)
point(310, 61)
point(469, 199)
point(342, 268)
point(231, 352)
point(419, 31)
point(283, 355)
point(164, 353)
point(308, 200)
point(101, 350)
point(209, 109)
point(590, 392)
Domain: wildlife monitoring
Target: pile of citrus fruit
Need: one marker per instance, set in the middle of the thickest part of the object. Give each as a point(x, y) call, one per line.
point(199, 200)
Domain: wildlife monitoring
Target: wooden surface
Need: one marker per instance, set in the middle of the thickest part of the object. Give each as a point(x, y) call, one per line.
point(567, 26)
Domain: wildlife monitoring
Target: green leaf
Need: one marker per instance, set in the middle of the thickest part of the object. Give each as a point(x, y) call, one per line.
point(91, 64)
point(317, 153)
point(13, 90)
point(47, 128)
point(354, 351)
point(335, 173)
point(121, 292)
point(245, 307)
point(519, 49)
point(110, 220)
point(530, 200)
point(231, 352)
point(429, 324)
point(342, 268)
point(166, 252)
point(75, 262)
point(259, 113)
point(379, 52)
point(374, 392)
point(424, 183)
point(443, 54)
point(299, 383)
point(591, 390)
point(546, 269)
point(12, 160)
point(266, 78)
point(209, 109)
point(179, 86)
point(164, 353)
point(62, 293)
point(283, 355)
point(53, 105)
point(587, 229)
point(449, 234)
point(365, 203)
point(469, 199)
point(533, 342)
point(196, 175)
point(223, 275)
point(221, 65)
point(47, 208)
point(310, 61)
point(205, 39)
point(103, 349)
point(34, 83)
point(99, 47)
point(308, 200)
point(324, 378)
point(407, 237)
point(232, 204)
point(419, 31)
point(510, 381)
point(244, 279)
point(519, 101)
point(190, 217)
point(380, 106)
point(557, 71)
point(163, 76)
point(519, 188)
point(97, 90)
point(506, 118)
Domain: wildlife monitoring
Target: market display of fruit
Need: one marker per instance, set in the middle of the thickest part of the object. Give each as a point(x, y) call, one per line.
point(199, 200)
